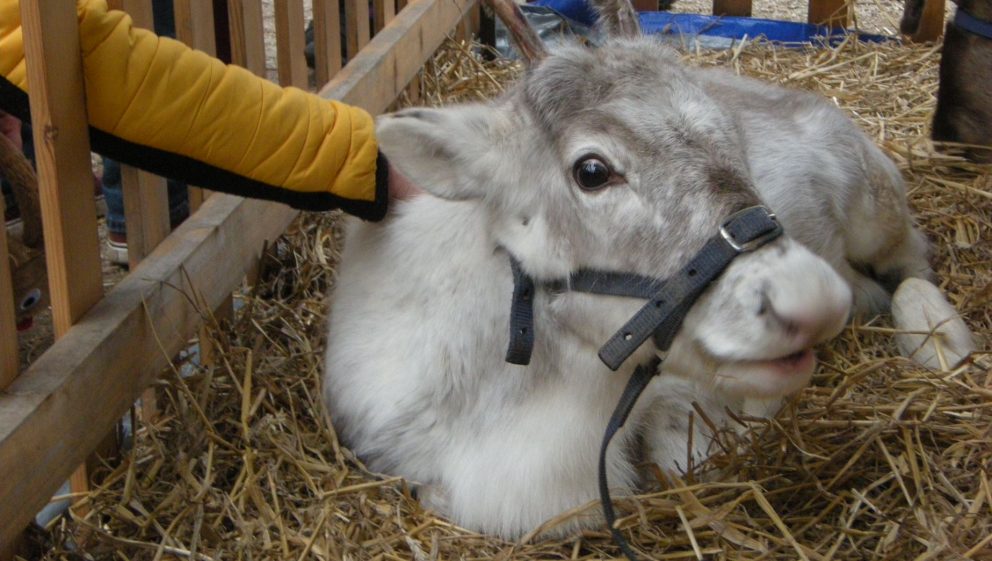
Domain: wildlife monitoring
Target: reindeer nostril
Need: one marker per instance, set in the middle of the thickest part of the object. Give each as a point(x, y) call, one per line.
point(766, 304)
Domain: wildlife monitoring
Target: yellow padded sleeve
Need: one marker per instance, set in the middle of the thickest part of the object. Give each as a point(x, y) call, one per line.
point(156, 92)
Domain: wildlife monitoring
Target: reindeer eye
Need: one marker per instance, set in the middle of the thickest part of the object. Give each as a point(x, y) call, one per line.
point(591, 173)
point(30, 300)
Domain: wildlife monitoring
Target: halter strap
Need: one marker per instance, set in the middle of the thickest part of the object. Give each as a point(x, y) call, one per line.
point(970, 23)
point(668, 300)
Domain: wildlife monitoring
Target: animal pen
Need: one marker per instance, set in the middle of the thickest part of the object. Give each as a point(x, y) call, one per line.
point(877, 459)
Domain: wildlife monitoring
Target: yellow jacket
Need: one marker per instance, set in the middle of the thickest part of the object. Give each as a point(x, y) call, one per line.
point(156, 104)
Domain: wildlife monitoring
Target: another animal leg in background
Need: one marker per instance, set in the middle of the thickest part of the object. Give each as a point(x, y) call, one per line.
point(964, 97)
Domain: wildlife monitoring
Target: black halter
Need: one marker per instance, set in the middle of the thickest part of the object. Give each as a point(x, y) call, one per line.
point(970, 23)
point(669, 300)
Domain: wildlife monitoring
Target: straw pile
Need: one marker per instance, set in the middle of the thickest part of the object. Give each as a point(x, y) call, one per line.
point(879, 459)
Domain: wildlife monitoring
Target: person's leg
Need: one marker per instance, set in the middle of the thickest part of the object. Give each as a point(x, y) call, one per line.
point(113, 194)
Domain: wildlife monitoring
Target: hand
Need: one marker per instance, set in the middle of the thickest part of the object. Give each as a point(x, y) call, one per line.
point(401, 188)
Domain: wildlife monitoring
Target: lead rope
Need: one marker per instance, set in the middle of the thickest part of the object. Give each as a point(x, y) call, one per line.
point(669, 301)
point(639, 380)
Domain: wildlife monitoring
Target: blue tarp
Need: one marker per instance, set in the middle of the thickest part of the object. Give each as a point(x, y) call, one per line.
point(736, 28)
point(716, 31)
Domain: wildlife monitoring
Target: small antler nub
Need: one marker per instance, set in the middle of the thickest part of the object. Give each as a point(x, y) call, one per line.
point(524, 37)
point(18, 172)
point(617, 18)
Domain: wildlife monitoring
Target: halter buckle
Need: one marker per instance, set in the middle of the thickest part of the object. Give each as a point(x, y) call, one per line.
point(772, 230)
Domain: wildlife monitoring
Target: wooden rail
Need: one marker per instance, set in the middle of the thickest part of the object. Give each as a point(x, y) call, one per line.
point(54, 413)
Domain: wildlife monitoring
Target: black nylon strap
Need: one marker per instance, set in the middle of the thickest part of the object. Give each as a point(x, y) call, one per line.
point(630, 285)
point(639, 380)
point(669, 300)
point(521, 317)
point(663, 314)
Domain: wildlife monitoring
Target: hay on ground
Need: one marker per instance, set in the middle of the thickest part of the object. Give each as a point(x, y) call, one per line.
point(878, 459)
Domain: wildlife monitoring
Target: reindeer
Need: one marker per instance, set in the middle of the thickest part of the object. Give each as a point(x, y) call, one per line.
point(618, 163)
point(964, 97)
point(29, 275)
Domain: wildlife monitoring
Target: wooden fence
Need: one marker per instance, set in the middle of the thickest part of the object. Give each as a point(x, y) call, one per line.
point(109, 347)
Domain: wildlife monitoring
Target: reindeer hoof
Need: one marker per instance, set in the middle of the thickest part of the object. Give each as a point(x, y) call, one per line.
point(935, 335)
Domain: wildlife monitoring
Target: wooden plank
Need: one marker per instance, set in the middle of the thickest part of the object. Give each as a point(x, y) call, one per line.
point(146, 198)
point(740, 8)
point(62, 155)
point(104, 362)
point(146, 212)
point(327, 39)
point(931, 21)
point(61, 138)
point(8, 329)
point(12, 548)
point(394, 56)
point(247, 35)
point(195, 24)
point(384, 12)
point(834, 13)
point(356, 18)
point(195, 27)
point(290, 43)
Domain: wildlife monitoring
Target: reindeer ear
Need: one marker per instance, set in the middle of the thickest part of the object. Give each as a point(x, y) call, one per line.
point(440, 150)
point(617, 18)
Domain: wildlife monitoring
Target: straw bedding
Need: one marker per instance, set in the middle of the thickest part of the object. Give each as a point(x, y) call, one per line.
point(878, 459)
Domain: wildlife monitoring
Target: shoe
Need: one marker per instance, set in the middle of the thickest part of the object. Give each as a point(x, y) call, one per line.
point(117, 248)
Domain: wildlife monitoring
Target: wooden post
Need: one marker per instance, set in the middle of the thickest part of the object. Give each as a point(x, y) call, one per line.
point(931, 21)
point(62, 154)
point(195, 24)
point(146, 197)
point(739, 8)
point(327, 39)
point(195, 27)
point(356, 15)
point(290, 43)
point(247, 35)
point(832, 13)
point(9, 362)
point(384, 12)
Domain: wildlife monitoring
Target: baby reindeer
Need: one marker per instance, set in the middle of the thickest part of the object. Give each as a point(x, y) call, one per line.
point(964, 97)
point(620, 166)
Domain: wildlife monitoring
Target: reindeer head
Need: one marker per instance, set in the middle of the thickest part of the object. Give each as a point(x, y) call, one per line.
point(616, 159)
point(27, 255)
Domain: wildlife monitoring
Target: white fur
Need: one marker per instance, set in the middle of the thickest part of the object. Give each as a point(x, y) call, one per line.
point(934, 335)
